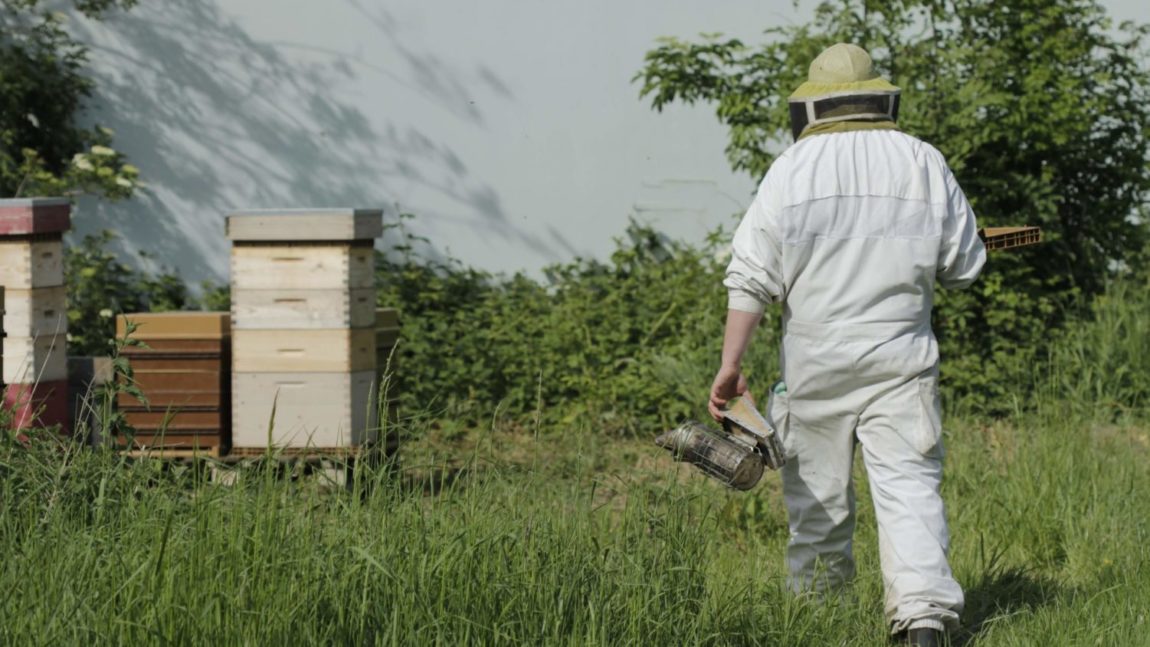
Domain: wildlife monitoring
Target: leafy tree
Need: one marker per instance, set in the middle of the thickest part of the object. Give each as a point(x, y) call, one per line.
point(43, 151)
point(1042, 113)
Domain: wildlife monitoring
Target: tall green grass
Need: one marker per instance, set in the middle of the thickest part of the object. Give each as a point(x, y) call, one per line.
point(572, 537)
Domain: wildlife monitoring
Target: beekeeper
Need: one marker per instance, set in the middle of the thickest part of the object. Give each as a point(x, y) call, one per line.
point(849, 231)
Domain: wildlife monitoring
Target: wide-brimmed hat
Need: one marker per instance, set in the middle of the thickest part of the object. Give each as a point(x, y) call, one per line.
point(842, 86)
point(842, 69)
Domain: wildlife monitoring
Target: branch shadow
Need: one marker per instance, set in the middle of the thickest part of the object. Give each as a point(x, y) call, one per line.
point(219, 120)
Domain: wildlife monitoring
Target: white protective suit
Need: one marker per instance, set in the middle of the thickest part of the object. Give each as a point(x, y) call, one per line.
point(850, 231)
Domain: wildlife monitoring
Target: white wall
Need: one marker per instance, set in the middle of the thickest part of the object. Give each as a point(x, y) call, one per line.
point(510, 127)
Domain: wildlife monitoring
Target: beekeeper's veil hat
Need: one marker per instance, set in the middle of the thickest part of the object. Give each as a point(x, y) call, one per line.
point(842, 86)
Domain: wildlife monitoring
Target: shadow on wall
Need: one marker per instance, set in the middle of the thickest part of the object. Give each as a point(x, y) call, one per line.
point(217, 120)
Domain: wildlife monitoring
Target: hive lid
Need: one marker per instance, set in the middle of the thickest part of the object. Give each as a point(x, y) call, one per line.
point(23, 216)
point(305, 224)
point(176, 325)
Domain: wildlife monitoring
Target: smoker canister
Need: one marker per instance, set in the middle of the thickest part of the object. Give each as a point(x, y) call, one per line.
point(734, 463)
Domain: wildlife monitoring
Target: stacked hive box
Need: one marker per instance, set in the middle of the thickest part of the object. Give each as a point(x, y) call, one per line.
point(35, 315)
point(182, 369)
point(303, 316)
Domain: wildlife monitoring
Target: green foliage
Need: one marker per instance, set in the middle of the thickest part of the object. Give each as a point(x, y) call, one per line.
point(627, 343)
point(1099, 368)
point(1043, 115)
point(100, 287)
point(43, 152)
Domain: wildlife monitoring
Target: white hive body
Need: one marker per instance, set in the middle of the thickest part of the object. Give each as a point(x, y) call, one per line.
point(320, 410)
point(330, 267)
point(31, 263)
point(31, 360)
point(304, 309)
point(35, 318)
point(35, 321)
point(36, 312)
point(304, 335)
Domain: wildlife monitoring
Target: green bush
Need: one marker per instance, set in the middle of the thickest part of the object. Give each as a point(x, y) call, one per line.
point(100, 287)
point(625, 344)
point(43, 151)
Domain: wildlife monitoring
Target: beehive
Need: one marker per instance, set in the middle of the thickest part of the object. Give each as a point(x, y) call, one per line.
point(183, 370)
point(304, 340)
point(35, 319)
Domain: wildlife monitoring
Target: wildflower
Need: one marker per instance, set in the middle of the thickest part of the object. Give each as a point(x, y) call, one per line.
point(124, 182)
point(81, 162)
point(106, 313)
point(103, 150)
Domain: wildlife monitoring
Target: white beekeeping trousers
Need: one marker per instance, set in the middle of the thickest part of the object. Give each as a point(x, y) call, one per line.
point(843, 384)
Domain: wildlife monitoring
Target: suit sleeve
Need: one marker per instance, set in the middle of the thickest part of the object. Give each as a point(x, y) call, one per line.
point(961, 253)
point(754, 275)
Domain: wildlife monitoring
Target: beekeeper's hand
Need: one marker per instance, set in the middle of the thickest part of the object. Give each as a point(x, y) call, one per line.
point(729, 383)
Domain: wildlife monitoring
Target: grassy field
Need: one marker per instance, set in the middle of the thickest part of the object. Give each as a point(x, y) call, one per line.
point(566, 535)
point(504, 537)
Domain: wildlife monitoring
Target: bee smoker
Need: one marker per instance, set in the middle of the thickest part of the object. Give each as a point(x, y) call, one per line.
point(734, 455)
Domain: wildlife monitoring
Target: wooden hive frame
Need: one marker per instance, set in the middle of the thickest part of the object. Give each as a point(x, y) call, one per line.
point(1009, 237)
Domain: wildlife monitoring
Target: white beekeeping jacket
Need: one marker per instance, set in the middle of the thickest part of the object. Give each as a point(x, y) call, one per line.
point(850, 231)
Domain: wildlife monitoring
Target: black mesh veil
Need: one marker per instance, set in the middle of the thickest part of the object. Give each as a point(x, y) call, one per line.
point(863, 107)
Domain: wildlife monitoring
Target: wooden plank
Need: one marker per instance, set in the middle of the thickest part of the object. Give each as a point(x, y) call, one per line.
point(36, 312)
point(212, 363)
point(311, 409)
point(175, 325)
point(177, 347)
point(302, 267)
point(168, 381)
point(165, 453)
point(21, 217)
point(35, 359)
point(304, 224)
point(161, 400)
point(28, 264)
point(290, 351)
point(302, 453)
point(176, 419)
point(287, 309)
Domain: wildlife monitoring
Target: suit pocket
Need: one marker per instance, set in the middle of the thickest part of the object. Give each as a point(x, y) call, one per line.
point(779, 413)
point(928, 436)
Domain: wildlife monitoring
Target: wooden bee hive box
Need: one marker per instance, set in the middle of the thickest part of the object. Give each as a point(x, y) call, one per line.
point(183, 370)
